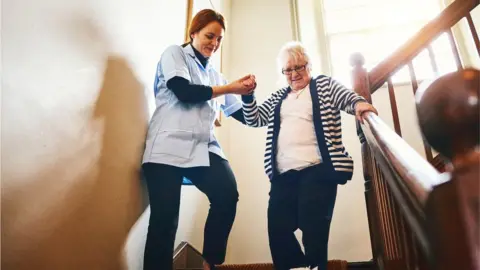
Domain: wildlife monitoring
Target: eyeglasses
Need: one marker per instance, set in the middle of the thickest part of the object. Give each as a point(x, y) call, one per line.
point(298, 69)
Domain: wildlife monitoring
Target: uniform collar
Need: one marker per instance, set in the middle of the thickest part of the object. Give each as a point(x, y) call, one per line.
point(190, 51)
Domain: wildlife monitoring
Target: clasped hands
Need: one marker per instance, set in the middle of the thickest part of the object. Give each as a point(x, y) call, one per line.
point(245, 85)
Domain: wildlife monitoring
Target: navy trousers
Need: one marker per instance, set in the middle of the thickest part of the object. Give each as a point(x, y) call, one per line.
point(164, 185)
point(301, 200)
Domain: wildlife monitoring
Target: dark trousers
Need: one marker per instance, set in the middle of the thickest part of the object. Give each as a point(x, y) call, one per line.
point(164, 185)
point(300, 200)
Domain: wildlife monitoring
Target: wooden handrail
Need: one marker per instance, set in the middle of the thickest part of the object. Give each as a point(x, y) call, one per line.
point(409, 176)
point(447, 18)
point(415, 212)
point(417, 174)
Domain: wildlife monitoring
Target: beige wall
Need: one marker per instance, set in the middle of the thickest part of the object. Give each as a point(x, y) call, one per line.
point(258, 29)
point(76, 83)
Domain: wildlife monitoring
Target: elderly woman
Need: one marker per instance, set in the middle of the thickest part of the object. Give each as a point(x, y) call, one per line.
point(305, 158)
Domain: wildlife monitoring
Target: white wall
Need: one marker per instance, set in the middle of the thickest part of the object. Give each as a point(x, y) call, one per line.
point(77, 78)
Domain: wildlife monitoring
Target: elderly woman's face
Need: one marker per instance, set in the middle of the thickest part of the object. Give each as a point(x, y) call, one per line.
point(297, 73)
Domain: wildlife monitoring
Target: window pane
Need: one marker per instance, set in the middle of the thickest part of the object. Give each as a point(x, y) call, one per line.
point(444, 55)
point(341, 48)
point(332, 5)
point(375, 50)
point(423, 66)
point(382, 15)
point(376, 28)
point(374, 45)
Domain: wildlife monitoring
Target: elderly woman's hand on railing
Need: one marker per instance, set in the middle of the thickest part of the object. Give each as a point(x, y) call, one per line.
point(363, 107)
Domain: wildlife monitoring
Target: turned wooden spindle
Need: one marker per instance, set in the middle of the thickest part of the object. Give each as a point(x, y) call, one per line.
point(449, 114)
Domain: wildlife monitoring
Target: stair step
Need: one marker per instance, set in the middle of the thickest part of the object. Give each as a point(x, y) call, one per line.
point(332, 265)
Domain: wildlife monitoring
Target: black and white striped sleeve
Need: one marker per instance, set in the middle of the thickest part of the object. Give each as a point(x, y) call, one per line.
point(344, 98)
point(256, 116)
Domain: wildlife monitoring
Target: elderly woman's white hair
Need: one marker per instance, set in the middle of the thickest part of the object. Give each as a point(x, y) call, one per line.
point(293, 50)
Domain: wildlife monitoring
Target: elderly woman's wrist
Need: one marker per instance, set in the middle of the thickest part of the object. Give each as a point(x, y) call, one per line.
point(248, 98)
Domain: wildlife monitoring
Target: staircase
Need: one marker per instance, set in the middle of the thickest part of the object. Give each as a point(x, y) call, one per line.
point(187, 257)
point(423, 213)
point(419, 217)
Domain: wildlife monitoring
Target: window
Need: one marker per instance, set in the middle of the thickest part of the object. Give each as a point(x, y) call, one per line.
point(376, 28)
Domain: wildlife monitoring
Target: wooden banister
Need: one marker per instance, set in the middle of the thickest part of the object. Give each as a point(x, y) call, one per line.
point(410, 178)
point(418, 209)
point(417, 214)
point(443, 22)
point(418, 176)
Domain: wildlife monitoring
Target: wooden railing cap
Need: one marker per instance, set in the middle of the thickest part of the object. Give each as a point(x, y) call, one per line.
point(449, 112)
point(357, 60)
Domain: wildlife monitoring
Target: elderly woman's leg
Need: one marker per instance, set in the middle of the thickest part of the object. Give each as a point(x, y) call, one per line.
point(316, 202)
point(282, 223)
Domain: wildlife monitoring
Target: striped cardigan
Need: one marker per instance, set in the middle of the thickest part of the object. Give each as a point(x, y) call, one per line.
point(328, 97)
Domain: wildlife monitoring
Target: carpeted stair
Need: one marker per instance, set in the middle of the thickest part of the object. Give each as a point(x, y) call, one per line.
point(332, 265)
point(186, 257)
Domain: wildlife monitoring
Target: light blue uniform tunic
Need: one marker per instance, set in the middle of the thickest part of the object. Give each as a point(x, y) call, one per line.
point(182, 134)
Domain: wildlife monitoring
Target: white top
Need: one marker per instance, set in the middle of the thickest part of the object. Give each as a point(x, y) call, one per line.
point(297, 142)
